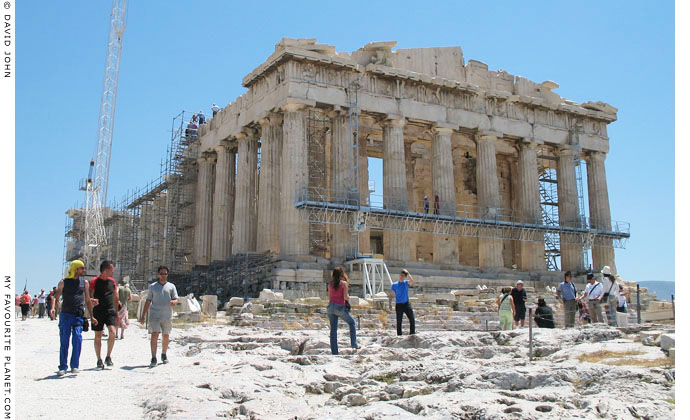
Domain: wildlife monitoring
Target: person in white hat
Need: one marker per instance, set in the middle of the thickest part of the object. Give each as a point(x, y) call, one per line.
point(611, 292)
point(215, 109)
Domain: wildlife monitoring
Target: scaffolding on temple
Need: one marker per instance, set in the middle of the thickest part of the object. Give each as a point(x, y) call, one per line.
point(548, 194)
point(318, 134)
point(152, 225)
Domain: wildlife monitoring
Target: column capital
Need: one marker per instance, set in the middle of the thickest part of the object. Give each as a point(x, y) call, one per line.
point(565, 151)
point(293, 107)
point(204, 158)
point(271, 118)
point(529, 143)
point(442, 128)
point(247, 133)
point(393, 120)
point(487, 135)
point(337, 111)
point(594, 155)
point(221, 148)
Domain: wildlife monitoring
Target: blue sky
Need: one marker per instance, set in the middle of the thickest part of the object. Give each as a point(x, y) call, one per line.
point(181, 55)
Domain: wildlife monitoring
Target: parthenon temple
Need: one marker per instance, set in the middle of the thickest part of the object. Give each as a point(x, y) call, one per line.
point(482, 172)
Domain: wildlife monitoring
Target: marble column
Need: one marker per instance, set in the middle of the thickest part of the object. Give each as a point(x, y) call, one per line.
point(244, 232)
point(443, 186)
point(294, 231)
point(599, 210)
point(268, 234)
point(529, 208)
point(341, 178)
point(203, 223)
point(490, 249)
point(395, 184)
point(568, 210)
point(223, 204)
point(364, 236)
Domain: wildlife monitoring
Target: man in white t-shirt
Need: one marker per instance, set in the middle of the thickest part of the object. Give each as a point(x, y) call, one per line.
point(42, 303)
point(592, 295)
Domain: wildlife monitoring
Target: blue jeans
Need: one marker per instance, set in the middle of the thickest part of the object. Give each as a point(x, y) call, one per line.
point(70, 324)
point(336, 311)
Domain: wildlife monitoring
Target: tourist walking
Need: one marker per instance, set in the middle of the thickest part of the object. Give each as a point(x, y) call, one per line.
point(426, 204)
point(519, 298)
point(49, 303)
point(543, 316)
point(506, 309)
point(161, 298)
point(437, 204)
point(592, 295)
point(215, 109)
point(25, 304)
point(400, 289)
point(42, 303)
point(17, 305)
point(124, 296)
point(567, 293)
point(338, 296)
point(202, 117)
point(34, 306)
point(75, 294)
point(104, 291)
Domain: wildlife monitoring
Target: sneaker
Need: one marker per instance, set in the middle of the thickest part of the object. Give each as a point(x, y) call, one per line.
point(164, 358)
point(61, 372)
point(108, 361)
point(99, 364)
point(75, 370)
point(154, 362)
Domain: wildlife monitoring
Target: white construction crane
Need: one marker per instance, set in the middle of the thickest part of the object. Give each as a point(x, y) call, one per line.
point(96, 185)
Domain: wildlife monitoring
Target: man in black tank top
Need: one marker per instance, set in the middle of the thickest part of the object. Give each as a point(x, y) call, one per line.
point(105, 301)
point(75, 294)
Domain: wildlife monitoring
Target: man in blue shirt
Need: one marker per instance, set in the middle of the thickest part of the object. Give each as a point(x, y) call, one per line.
point(402, 301)
point(568, 294)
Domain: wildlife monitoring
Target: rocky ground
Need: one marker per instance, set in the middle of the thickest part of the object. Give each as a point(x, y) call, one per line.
point(219, 371)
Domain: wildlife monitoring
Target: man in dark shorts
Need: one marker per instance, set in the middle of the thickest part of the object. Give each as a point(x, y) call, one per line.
point(519, 298)
point(105, 301)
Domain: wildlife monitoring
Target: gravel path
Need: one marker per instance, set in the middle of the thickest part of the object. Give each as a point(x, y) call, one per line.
point(220, 371)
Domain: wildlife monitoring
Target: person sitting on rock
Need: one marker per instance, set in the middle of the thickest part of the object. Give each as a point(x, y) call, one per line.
point(543, 316)
point(506, 309)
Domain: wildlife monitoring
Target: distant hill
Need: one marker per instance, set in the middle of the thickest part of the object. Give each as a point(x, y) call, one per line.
point(663, 289)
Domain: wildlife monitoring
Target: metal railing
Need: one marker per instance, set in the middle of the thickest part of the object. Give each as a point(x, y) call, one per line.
point(341, 207)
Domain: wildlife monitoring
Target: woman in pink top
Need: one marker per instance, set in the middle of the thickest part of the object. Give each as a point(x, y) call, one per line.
point(337, 296)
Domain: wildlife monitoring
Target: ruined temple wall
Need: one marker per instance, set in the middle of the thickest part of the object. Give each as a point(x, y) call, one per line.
point(403, 86)
point(464, 171)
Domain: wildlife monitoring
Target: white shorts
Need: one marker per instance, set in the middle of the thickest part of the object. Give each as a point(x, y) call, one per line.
point(158, 324)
